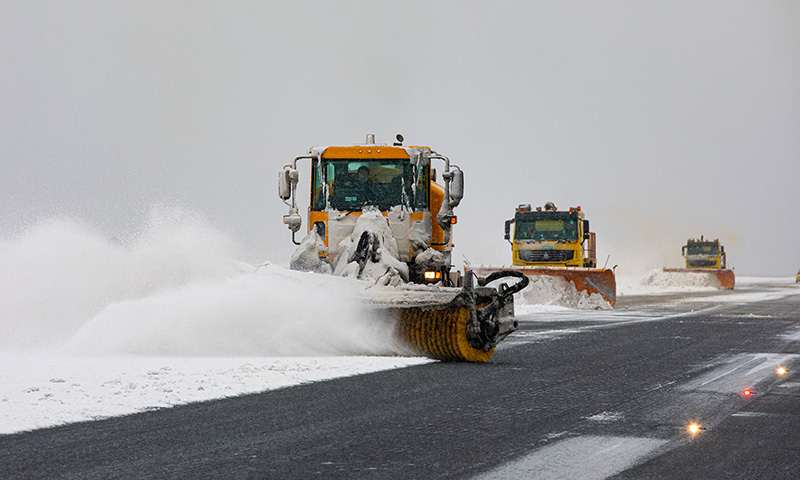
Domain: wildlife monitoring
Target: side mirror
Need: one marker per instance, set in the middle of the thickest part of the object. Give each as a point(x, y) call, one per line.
point(284, 184)
point(287, 179)
point(508, 229)
point(457, 186)
point(586, 229)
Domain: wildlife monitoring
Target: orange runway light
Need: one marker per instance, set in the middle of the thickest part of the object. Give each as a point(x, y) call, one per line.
point(781, 371)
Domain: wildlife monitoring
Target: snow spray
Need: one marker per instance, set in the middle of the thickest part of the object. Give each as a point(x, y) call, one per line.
point(172, 289)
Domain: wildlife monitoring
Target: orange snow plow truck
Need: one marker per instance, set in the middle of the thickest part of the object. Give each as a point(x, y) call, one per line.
point(708, 258)
point(376, 213)
point(549, 242)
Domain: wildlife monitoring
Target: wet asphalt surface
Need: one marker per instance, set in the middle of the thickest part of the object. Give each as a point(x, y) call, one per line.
point(548, 382)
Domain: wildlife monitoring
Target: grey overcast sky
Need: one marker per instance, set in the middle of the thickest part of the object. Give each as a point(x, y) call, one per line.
point(662, 120)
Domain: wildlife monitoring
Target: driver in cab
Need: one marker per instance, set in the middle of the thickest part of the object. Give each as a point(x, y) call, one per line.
point(365, 186)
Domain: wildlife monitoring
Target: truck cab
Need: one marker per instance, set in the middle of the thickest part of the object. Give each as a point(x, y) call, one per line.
point(704, 254)
point(396, 180)
point(547, 236)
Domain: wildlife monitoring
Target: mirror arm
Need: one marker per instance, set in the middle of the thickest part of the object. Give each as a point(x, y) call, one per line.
point(446, 210)
point(293, 220)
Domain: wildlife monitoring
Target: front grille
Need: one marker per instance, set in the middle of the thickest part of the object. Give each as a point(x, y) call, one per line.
point(700, 262)
point(546, 255)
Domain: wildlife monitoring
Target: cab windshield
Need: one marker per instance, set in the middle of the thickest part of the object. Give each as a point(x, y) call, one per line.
point(547, 230)
point(353, 184)
point(703, 249)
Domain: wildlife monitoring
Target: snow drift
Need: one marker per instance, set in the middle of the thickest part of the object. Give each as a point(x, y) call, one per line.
point(557, 291)
point(681, 281)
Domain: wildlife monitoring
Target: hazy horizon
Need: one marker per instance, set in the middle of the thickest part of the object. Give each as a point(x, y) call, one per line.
point(663, 121)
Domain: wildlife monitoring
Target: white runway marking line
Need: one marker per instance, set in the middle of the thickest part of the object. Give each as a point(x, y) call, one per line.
point(794, 335)
point(742, 371)
point(589, 457)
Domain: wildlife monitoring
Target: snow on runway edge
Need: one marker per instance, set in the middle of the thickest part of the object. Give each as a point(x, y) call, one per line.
point(45, 390)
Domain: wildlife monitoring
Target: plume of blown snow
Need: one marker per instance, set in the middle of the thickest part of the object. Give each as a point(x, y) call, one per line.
point(174, 288)
point(60, 273)
point(269, 312)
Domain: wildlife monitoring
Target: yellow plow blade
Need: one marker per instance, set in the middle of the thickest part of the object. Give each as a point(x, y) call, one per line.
point(724, 276)
point(591, 280)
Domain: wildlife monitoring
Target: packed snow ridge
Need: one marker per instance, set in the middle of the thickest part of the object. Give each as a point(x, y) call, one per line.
point(680, 280)
point(558, 291)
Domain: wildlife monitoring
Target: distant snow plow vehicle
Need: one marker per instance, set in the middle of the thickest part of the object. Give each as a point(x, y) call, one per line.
point(707, 258)
point(549, 242)
point(376, 213)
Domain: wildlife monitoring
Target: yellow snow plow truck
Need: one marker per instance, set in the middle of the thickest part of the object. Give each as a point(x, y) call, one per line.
point(708, 258)
point(376, 213)
point(550, 242)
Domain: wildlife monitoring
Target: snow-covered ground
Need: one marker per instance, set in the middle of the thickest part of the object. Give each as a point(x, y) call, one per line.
point(95, 327)
point(41, 389)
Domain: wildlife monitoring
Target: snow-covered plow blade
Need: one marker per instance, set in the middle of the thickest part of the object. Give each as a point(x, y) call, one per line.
point(590, 280)
point(455, 324)
point(723, 276)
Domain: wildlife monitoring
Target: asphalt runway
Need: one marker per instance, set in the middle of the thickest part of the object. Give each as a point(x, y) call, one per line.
point(574, 394)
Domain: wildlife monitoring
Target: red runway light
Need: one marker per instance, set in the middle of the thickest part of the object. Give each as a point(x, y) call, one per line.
point(747, 392)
